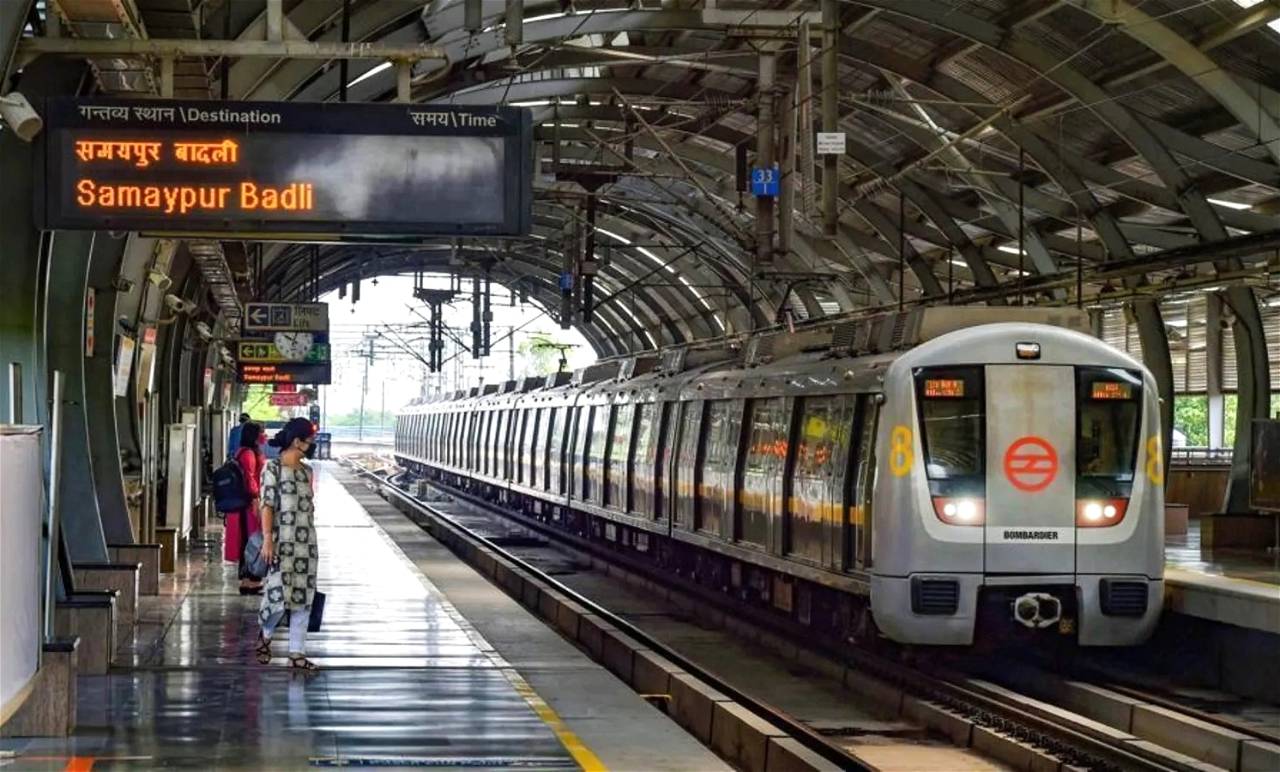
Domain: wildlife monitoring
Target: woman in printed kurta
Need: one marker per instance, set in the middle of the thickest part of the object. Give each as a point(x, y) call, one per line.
point(289, 543)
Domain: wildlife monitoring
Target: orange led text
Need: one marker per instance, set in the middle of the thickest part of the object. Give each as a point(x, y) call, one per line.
point(140, 153)
point(184, 199)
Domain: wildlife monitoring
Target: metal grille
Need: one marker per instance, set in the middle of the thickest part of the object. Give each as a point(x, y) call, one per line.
point(1122, 598)
point(935, 596)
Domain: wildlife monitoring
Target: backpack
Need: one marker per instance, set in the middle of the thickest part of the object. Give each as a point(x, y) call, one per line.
point(229, 491)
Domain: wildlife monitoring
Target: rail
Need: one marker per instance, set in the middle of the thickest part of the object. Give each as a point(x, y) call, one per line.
point(797, 730)
point(1080, 742)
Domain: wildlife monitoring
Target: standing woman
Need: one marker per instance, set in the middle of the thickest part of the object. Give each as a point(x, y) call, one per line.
point(243, 524)
point(289, 543)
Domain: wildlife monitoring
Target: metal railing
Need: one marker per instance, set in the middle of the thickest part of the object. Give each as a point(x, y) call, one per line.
point(1201, 457)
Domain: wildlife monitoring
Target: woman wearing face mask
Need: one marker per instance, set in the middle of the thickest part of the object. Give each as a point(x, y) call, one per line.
point(289, 543)
point(243, 524)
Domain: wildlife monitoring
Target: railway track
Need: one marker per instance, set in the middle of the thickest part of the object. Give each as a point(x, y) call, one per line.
point(1074, 740)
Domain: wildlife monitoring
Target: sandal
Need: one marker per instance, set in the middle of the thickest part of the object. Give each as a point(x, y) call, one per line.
point(300, 662)
point(263, 650)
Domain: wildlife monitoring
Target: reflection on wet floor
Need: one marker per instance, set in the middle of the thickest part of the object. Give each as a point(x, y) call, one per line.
point(1186, 552)
point(405, 681)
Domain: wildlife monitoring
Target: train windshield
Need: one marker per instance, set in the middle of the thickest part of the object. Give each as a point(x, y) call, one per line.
point(951, 417)
point(1110, 408)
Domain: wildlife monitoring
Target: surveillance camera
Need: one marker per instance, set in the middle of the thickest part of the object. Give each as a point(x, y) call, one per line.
point(20, 116)
point(204, 331)
point(161, 281)
point(178, 304)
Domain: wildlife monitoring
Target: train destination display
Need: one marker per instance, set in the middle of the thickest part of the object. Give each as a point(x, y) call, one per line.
point(259, 167)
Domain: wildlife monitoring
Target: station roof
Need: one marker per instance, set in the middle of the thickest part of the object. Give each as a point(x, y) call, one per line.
point(1137, 140)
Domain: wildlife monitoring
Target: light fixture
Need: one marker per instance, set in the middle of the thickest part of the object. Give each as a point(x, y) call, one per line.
point(20, 116)
point(1100, 513)
point(1229, 204)
point(959, 511)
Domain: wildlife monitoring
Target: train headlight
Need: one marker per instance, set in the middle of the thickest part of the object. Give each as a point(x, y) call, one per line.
point(1100, 513)
point(959, 511)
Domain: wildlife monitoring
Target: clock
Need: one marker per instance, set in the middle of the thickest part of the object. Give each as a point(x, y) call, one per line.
point(294, 346)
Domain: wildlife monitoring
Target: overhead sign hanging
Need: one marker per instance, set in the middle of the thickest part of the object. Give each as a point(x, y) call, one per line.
point(290, 168)
point(308, 317)
point(830, 143)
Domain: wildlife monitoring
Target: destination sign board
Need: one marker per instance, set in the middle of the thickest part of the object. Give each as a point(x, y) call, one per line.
point(290, 168)
point(262, 351)
point(284, 372)
point(311, 317)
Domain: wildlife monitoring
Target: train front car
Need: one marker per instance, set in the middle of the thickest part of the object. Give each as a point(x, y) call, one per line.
point(1020, 490)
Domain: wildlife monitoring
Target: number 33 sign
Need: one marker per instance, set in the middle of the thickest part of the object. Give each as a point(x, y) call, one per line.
point(764, 182)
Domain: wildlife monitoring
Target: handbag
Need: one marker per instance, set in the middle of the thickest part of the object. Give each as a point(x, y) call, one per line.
point(317, 612)
point(255, 564)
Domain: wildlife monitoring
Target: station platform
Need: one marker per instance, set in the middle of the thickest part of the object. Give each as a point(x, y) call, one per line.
point(414, 674)
point(1229, 586)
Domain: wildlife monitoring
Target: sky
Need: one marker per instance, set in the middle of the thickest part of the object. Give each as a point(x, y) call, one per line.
point(389, 308)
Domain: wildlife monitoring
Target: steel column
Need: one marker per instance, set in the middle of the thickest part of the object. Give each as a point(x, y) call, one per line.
point(830, 113)
point(765, 156)
point(1253, 390)
point(104, 441)
point(67, 265)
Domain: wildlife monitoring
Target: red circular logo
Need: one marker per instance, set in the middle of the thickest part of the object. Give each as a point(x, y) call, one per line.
point(1030, 463)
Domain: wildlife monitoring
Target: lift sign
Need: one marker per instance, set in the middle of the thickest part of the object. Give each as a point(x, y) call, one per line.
point(251, 167)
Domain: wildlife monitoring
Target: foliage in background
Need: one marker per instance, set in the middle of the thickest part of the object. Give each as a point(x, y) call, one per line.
point(372, 418)
point(1191, 417)
point(540, 354)
point(257, 403)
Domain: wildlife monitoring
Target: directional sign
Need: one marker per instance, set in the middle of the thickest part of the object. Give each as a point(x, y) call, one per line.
point(264, 351)
point(831, 143)
point(284, 372)
point(309, 317)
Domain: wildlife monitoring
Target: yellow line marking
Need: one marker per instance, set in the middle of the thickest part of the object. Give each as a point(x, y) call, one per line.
point(571, 742)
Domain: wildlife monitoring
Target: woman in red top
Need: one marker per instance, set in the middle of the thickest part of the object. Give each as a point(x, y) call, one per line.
point(243, 524)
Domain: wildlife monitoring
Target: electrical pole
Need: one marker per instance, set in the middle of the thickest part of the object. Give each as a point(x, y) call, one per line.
point(364, 390)
point(511, 353)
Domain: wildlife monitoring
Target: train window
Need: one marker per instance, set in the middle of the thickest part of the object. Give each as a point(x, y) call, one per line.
point(763, 466)
point(1108, 416)
point(485, 458)
point(664, 441)
point(529, 469)
point(455, 446)
point(857, 543)
point(615, 462)
point(582, 455)
point(684, 473)
point(515, 443)
point(640, 467)
point(547, 440)
point(951, 414)
point(817, 475)
point(570, 446)
point(719, 462)
point(597, 450)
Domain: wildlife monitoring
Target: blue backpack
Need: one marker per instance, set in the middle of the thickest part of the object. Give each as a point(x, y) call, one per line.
point(230, 494)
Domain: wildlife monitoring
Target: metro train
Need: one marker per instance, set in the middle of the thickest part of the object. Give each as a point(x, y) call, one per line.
point(934, 476)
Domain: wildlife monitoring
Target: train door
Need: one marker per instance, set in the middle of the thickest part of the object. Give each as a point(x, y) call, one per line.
point(1030, 474)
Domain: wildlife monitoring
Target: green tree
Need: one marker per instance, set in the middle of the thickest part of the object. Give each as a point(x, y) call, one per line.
point(1191, 417)
point(257, 403)
point(542, 353)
